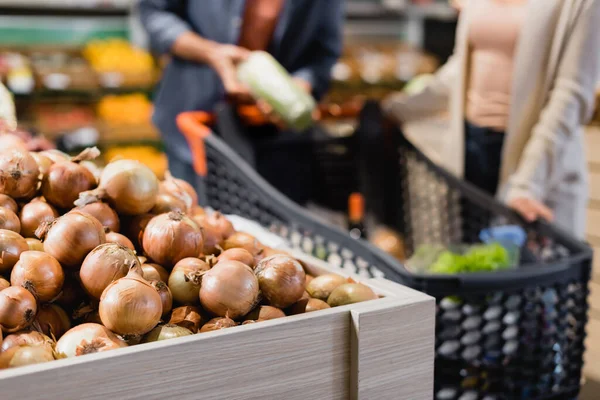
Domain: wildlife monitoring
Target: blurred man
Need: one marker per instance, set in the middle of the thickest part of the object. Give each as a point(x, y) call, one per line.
point(207, 38)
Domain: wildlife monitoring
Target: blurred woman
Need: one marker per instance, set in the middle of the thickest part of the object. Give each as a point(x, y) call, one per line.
point(519, 88)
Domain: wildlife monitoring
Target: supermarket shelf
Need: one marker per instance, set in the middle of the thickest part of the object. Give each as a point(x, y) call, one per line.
point(436, 10)
point(66, 7)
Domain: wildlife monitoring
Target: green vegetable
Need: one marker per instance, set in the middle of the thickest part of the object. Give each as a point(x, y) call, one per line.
point(478, 258)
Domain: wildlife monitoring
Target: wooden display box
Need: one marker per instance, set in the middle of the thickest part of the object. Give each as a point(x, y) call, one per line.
point(381, 349)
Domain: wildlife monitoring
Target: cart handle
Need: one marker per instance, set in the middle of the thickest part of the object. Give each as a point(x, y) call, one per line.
point(194, 126)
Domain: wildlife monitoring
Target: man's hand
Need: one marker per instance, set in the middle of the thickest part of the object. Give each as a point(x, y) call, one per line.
point(268, 112)
point(224, 59)
point(531, 209)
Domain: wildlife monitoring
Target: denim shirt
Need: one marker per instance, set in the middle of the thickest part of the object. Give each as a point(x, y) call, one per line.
point(307, 42)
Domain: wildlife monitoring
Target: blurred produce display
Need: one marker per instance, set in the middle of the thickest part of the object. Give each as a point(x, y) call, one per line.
point(62, 70)
point(125, 109)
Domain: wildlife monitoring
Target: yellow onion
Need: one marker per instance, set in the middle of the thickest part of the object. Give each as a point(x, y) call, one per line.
point(21, 356)
point(18, 174)
point(154, 272)
point(87, 339)
point(11, 141)
point(130, 305)
point(185, 278)
point(25, 338)
point(39, 273)
point(169, 238)
point(166, 203)
point(17, 309)
point(55, 155)
point(216, 324)
point(134, 229)
point(264, 313)
point(281, 279)
point(114, 237)
point(316, 305)
point(130, 186)
point(229, 289)
point(3, 283)
point(165, 296)
point(237, 254)
point(34, 214)
point(8, 202)
point(93, 168)
point(309, 278)
point(52, 320)
point(188, 317)
point(90, 203)
point(71, 237)
point(179, 189)
point(43, 161)
point(9, 220)
point(166, 332)
point(104, 265)
point(350, 293)
point(34, 244)
point(322, 286)
point(215, 229)
point(245, 241)
point(268, 252)
point(197, 211)
point(11, 246)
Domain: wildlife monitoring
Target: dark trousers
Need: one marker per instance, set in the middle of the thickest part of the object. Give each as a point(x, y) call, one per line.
point(483, 153)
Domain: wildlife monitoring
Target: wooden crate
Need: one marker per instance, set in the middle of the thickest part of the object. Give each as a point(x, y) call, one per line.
point(381, 349)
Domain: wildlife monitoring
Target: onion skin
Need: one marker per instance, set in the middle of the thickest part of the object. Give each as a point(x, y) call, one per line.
point(244, 241)
point(154, 272)
point(12, 245)
point(237, 254)
point(34, 244)
point(34, 214)
point(3, 283)
point(56, 155)
point(103, 213)
point(179, 189)
point(18, 174)
point(216, 324)
point(130, 305)
point(281, 279)
point(350, 293)
point(188, 317)
point(169, 238)
point(104, 265)
point(309, 278)
point(71, 237)
point(229, 289)
point(166, 332)
point(8, 202)
point(117, 238)
point(72, 294)
point(52, 320)
point(26, 355)
point(9, 220)
point(40, 273)
point(322, 286)
point(166, 203)
point(165, 296)
point(130, 186)
point(43, 161)
point(211, 235)
point(264, 313)
point(134, 229)
point(197, 211)
point(25, 338)
point(17, 309)
point(316, 305)
point(87, 339)
point(184, 280)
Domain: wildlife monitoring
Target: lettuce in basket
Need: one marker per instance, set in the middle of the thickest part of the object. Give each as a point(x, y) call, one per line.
point(479, 258)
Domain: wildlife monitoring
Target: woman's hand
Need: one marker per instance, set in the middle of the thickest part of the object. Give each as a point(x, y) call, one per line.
point(531, 209)
point(224, 59)
point(269, 113)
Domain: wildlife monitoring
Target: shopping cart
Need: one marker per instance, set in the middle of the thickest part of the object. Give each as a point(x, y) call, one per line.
point(512, 334)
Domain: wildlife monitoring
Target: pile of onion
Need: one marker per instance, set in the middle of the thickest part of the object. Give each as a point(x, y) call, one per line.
point(18, 173)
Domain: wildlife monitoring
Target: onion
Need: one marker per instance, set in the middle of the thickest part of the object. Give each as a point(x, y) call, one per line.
point(8, 202)
point(222, 224)
point(197, 211)
point(33, 214)
point(263, 313)
point(72, 294)
point(56, 155)
point(39, 273)
point(268, 252)
point(130, 186)
point(316, 305)
point(114, 237)
point(134, 229)
point(240, 255)
point(34, 244)
point(9, 220)
point(154, 272)
point(52, 320)
point(179, 189)
point(3, 283)
point(87, 339)
point(166, 203)
point(104, 265)
point(18, 174)
point(11, 141)
point(216, 324)
point(281, 279)
point(43, 161)
point(184, 280)
point(25, 338)
point(130, 305)
point(11, 246)
point(71, 237)
point(171, 237)
point(215, 229)
point(65, 180)
point(166, 332)
point(90, 203)
point(17, 309)
point(322, 286)
point(350, 293)
point(165, 296)
point(188, 317)
point(93, 168)
point(309, 278)
point(244, 241)
point(229, 289)
point(26, 355)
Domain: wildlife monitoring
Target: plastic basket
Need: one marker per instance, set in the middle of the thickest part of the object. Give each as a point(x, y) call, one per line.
point(513, 334)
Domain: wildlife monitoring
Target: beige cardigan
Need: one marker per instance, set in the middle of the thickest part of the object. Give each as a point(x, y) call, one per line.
point(557, 67)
